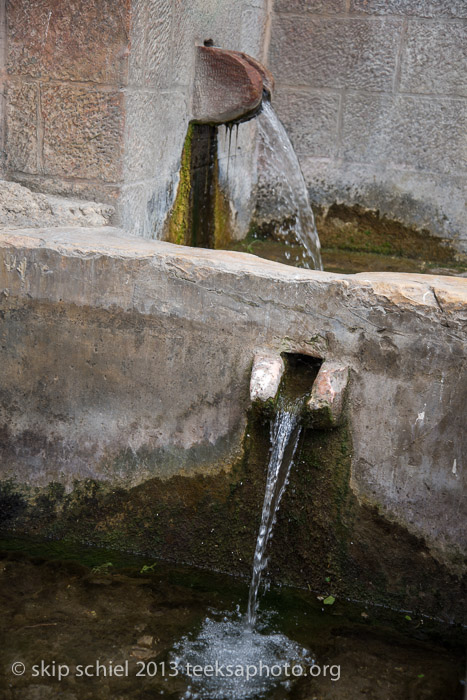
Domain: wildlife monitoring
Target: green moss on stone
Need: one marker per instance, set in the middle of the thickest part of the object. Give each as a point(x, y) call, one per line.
point(222, 233)
point(179, 227)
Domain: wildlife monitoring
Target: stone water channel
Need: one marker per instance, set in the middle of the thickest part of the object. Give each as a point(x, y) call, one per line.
point(111, 625)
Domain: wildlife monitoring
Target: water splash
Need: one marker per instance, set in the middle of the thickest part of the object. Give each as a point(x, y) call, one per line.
point(283, 200)
point(285, 433)
point(237, 662)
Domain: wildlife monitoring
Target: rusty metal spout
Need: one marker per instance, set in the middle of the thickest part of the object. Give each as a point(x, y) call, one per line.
point(229, 86)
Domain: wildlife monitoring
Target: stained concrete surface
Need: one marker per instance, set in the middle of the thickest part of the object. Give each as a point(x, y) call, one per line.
point(113, 344)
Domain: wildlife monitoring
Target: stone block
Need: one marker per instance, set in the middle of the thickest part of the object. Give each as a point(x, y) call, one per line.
point(142, 118)
point(143, 206)
point(2, 127)
point(145, 113)
point(311, 120)
point(326, 403)
point(415, 133)
point(21, 127)
point(158, 45)
point(73, 188)
point(335, 53)
point(136, 60)
point(325, 7)
point(86, 40)
point(83, 132)
point(266, 376)
point(134, 204)
point(253, 31)
point(151, 36)
point(182, 47)
point(411, 8)
point(435, 58)
point(21, 208)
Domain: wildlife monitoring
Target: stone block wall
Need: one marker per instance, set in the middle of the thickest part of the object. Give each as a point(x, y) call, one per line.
point(98, 94)
point(96, 99)
point(164, 34)
point(66, 66)
point(374, 96)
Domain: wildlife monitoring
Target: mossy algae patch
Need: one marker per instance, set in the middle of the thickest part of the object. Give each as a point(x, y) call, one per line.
point(201, 214)
point(356, 240)
point(179, 225)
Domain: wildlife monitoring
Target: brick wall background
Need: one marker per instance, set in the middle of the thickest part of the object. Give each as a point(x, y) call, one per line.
point(374, 96)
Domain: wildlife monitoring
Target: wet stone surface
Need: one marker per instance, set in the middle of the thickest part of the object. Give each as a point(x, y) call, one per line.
point(348, 261)
point(112, 608)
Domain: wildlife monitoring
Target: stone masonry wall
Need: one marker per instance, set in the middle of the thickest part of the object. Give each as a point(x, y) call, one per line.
point(164, 35)
point(98, 94)
point(373, 95)
point(66, 65)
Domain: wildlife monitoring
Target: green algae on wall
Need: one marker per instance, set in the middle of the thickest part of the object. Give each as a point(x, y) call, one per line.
point(357, 240)
point(222, 232)
point(200, 215)
point(179, 226)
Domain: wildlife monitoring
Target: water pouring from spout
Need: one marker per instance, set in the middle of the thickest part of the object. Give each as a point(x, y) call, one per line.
point(285, 433)
point(283, 202)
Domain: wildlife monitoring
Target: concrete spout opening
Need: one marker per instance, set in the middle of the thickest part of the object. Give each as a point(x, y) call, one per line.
point(321, 385)
point(326, 403)
point(266, 376)
point(293, 374)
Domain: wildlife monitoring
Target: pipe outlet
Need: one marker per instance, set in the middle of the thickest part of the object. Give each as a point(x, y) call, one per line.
point(228, 86)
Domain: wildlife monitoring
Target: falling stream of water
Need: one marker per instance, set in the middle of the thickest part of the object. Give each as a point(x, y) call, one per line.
point(280, 173)
point(232, 640)
point(236, 644)
point(284, 438)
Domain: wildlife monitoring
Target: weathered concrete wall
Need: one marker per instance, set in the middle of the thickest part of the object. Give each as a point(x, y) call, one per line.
point(374, 97)
point(98, 95)
point(128, 361)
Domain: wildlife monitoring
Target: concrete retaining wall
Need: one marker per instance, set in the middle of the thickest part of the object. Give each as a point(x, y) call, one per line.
point(374, 97)
point(126, 361)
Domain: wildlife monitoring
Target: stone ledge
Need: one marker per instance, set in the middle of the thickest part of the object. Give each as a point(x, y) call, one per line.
point(401, 289)
point(21, 208)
